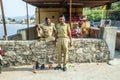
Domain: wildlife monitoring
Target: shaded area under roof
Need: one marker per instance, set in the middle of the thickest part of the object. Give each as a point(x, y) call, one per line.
point(66, 3)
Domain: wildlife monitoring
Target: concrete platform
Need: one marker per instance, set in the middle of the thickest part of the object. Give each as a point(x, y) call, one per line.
point(117, 54)
point(116, 59)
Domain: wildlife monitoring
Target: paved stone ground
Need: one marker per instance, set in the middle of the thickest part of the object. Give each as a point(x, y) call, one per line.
point(84, 71)
point(81, 71)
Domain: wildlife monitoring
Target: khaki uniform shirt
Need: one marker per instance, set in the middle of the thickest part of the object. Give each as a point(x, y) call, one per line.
point(63, 30)
point(47, 30)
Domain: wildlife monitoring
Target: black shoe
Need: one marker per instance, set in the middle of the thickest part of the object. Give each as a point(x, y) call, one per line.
point(42, 67)
point(64, 69)
point(37, 65)
point(57, 68)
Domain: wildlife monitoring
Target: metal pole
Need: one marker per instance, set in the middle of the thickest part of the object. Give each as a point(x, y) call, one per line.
point(27, 21)
point(70, 12)
point(39, 14)
point(107, 12)
point(102, 13)
point(4, 23)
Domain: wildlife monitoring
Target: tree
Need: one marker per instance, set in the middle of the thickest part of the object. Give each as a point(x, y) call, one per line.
point(9, 19)
point(116, 6)
point(96, 13)
point(32, 18)
point(13, 20)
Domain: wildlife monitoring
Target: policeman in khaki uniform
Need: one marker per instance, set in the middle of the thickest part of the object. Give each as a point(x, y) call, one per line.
point(46, 32)
point(62, 36)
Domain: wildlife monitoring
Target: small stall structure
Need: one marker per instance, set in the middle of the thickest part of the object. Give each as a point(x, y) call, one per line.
point(72, 9)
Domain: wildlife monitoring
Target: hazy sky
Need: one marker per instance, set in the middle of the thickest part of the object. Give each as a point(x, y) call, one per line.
point(14, 8)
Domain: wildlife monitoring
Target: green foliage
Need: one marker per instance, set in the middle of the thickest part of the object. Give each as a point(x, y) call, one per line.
point(32, 18)
point(95, 16)
point(114, 15)
point(13, 20)
point(116, 6)
point(114, 12)
point(9, 19)
point(96, 13)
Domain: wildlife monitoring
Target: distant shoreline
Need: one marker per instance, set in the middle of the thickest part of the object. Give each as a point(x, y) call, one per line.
point(12, 29)
point(18, 23)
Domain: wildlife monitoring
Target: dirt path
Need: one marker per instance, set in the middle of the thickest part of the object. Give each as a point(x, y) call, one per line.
point(83, 71)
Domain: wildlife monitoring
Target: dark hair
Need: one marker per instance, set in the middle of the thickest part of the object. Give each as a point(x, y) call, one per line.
point(83, 16)
point(46, 18)
point(62, 16)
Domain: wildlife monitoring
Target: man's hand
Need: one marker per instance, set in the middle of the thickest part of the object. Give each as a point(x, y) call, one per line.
point(38, 27)
point(54, 42)
point(70, 43)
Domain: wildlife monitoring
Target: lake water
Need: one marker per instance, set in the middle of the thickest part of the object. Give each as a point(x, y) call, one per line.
point(11, 29)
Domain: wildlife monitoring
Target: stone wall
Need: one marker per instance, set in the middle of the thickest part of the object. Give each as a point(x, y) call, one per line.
point(15, 37)
point(26, 52)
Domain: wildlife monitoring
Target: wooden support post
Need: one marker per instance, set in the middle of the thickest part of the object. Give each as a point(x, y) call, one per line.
point(28, 36)
point(107, 9)
point(39, 14)
point(4, 23)
point(70, 12)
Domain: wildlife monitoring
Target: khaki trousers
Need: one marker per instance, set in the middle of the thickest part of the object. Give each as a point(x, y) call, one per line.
point(62, 46)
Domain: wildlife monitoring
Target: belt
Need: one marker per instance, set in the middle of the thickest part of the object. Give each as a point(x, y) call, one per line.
point(62, 38)
point(42, 39)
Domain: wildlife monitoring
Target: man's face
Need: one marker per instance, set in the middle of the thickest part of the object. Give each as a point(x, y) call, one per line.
point(48, 21)
point(62, 20)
